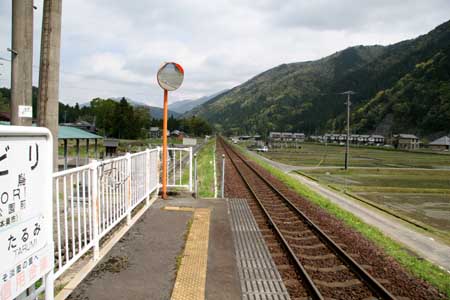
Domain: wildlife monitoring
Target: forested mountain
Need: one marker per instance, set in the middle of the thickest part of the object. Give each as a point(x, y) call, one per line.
point(404, 86)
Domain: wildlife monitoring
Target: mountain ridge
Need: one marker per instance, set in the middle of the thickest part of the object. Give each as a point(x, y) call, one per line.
point(303, 96)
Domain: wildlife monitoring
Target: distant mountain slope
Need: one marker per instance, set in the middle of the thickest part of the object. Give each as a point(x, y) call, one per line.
point(186, 105)
point(304, 96)
point(155, 112)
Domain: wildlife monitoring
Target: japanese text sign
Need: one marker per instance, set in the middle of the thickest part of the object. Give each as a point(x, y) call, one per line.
point(26, 242)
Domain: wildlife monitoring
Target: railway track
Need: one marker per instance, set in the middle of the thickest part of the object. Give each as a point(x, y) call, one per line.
point(324, 267)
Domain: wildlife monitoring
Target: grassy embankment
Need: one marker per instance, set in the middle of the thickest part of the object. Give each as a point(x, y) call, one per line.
point(205, 170)
point(417, 266)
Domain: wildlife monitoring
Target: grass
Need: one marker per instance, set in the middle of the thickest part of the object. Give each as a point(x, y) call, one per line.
point(333, 155)
point(417, 266)
point(205, 169)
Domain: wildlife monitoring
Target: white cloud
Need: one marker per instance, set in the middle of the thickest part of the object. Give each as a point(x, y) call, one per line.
point(114, 48)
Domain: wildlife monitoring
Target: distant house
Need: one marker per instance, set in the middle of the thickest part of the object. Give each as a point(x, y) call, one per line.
point(441, 144)
point(155, 132)
point(286, 136)
point(406, 141)
point(83, 125)
point(178, 134)
point(298, 137)
point(245, 137)
point(376, 139)
point(275, 136)
point(111, 146)
point(363, 138)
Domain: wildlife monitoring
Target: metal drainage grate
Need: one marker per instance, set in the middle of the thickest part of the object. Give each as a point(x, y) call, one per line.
point(257, 271)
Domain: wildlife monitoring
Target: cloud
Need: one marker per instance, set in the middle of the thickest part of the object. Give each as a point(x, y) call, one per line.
point(113, 48)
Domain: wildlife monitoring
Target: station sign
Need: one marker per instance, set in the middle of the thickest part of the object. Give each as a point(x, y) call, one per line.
point(26, 241)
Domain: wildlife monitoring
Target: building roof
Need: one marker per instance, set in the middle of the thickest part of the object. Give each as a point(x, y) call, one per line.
point(407, 136)
point(67, 132)
point(442, 141)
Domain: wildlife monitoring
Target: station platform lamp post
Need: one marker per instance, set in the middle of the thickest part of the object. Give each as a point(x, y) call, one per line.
point(170, 77)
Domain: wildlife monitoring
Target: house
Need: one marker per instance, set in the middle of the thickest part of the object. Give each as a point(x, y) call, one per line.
point(376, 139)
point(406, 141)
point(363, 139)
point(275, 136)
point(286, 136)
point(177, 134)
point(244, 137)
point(354, 138)
point(155, 132)
point(298, 137)
point(441, 144)
point(111, 146)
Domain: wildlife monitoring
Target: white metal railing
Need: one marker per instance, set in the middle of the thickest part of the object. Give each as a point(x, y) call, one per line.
point(91, 200)
point(179, 167)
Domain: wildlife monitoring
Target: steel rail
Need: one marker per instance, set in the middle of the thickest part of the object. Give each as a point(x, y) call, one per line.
point(310, 285)
point(363, 275)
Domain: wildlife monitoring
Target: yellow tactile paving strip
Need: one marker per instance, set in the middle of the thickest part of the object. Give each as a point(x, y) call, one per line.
point(191, 277)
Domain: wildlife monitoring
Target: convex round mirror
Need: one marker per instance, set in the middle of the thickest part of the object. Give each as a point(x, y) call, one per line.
point(170, 76)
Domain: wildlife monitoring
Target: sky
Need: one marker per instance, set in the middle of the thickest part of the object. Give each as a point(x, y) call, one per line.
point(113, 48)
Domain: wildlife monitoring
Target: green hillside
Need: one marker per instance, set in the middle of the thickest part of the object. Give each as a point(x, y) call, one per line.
point(305, 96)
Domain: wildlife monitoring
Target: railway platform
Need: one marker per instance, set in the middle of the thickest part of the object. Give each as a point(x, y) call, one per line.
point(187, 248)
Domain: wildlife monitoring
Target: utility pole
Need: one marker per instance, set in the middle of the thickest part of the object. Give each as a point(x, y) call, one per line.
point(48, 102)
point(22, 62)
point(347, 146)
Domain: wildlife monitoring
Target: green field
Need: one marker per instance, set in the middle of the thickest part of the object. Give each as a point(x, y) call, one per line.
point(422, 195)
point(311, 155)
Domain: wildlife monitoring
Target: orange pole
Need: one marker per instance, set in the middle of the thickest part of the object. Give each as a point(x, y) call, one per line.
point(164, 173)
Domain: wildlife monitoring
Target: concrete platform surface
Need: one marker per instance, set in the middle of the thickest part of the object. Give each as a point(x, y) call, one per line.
point(142, 265)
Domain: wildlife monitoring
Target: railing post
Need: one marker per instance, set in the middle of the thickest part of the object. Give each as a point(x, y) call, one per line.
point(128, 194)
point(95, 209)
point(190, 169)
point(50, 286)
point(195, 176)
point(147, 176)
point(158, 171)
point(223, 176)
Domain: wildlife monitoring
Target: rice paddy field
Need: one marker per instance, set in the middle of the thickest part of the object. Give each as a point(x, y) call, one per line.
point(311, 155)
point(414, 185)
point(420, 195)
